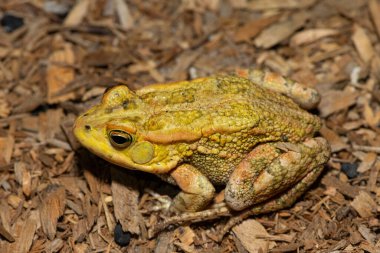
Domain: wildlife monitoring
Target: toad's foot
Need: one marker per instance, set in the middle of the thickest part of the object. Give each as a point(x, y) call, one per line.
point(304, 96)
point(220, 210)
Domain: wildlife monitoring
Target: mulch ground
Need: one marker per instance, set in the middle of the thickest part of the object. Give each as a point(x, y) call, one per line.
point(58, 57)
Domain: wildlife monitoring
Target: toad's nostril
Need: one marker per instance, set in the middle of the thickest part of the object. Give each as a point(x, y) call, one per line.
point(87, 127)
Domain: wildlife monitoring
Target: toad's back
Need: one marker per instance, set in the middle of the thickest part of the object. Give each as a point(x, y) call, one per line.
point(225, 104)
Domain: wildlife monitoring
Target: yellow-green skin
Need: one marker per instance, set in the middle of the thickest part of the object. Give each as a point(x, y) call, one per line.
point(196, 133)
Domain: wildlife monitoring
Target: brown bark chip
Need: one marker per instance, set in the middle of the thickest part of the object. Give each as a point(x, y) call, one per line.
point(364, 205)
point(51, 209)
point(125, 200)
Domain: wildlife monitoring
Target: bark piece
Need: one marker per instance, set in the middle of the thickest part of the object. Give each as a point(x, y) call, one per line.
point(334, 101)
point(77, 13)
point(254, 27)
point(367, 162)
point(342, 187)
point(278, 32)
point(125, 200)
point(248, 232)
point(59, 73)
point(125, 17)
point(363, 44)
point(364, 205)
point(52, 207)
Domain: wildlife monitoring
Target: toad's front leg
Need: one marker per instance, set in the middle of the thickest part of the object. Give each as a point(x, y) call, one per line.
point(197, 190)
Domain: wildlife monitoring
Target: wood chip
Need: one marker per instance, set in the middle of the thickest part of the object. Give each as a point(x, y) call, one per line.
point(59, 73)
point(125, 200)
point(367, 162)
point(248, 232)
point(276, 4)
point(55, 245)
point(254, 27)
point(4, 105)
point(280, 31)
point(335, 141)
point(366, 233)
point(334, 101)
point(51, 209)
point(364, 205)
point(125, 17)
point(311, 35)
point(373, 176)
point(342, 187)
point(371, 117)
point(164, 241)
point(77, 13)
point(363, 44)
point(6, 148)
point(93, 183)
point(80, 231)
point(26, 231)
point(186, 236)
point(6, 234)
point(374, 9)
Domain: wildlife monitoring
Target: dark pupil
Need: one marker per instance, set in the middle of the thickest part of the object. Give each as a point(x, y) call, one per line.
point(119, 139)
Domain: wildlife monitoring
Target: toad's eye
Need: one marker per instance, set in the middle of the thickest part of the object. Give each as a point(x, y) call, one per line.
point(119, 139)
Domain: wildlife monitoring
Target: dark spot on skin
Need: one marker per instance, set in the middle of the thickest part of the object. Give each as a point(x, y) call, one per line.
point(87, 127)
point(108, 110)
point(284, 138)
point(125, 104)
point(85, 115)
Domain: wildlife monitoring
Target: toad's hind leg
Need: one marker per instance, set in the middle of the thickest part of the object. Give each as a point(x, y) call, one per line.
point(304, 96)
point(273, 168)
point(280, 202)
